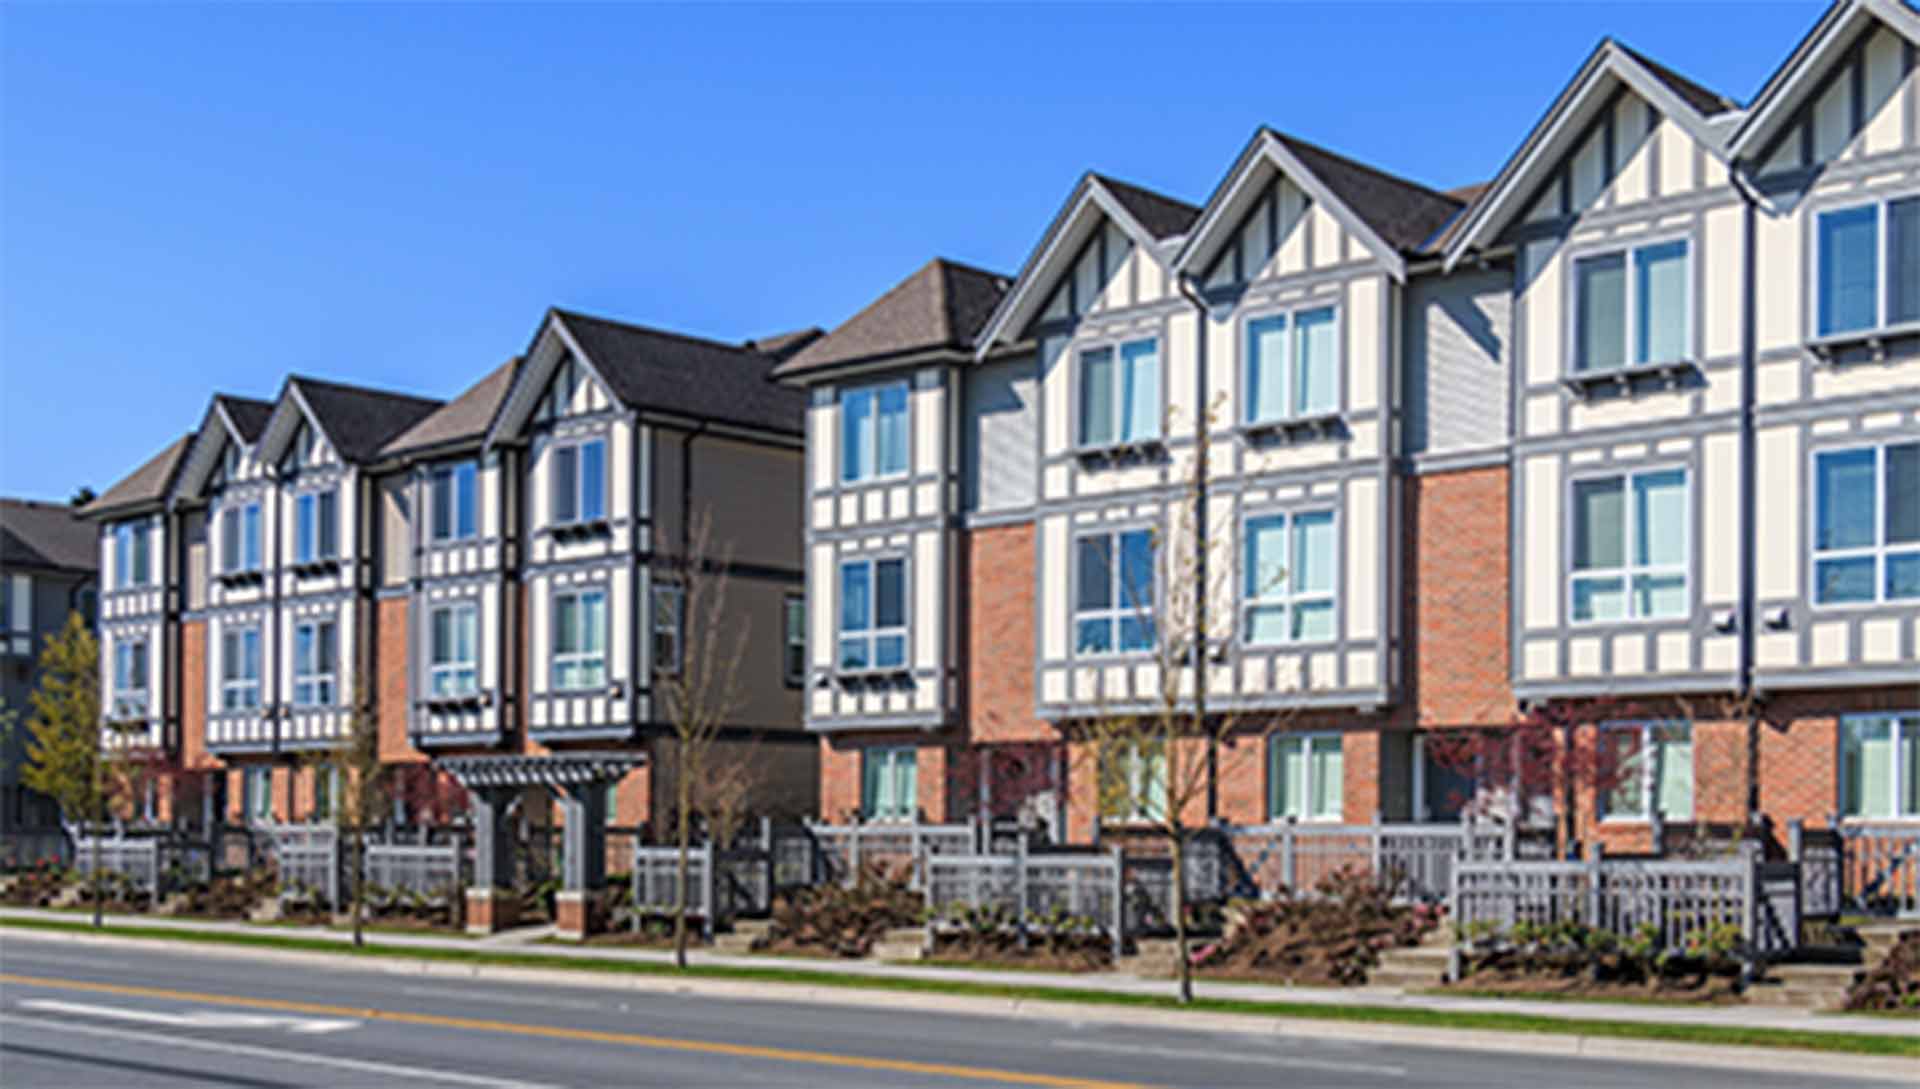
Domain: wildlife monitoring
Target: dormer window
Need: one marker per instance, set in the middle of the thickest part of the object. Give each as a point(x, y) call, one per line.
point(453, 500)
point(240, 539)
point(873, 432)
point(316, 527)
point(1120, 394)
point(1293, 365)
point(1630, 308)
point(580, 482)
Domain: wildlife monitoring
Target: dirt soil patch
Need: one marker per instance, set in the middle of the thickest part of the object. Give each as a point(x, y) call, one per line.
point(1893, 985)
point(1003, 951)
point(1330, 938)
point(1523, 976)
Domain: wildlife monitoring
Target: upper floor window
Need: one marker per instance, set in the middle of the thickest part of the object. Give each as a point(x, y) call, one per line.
point(314, 657)
point(452, 498)
point(453, 655)
point(580, 482)
point(130, 678)
point(1630, 546)
point(873, 431)
point(579, 640)
point(1880, 765)
point(1288, 591)
point(240, 669)
point(240, 538)
point(1868, 275)
point(1652, 764)
point(669, 602)
point(1630, 307)
point(1293, 365)
point(1114, 592)
point(132, 555)
point(888, 784)
point(316, 527)
point(1866, 534)
point(1136, 786)
point(873, 614)
point(793, 617)
point(1305, 777)
point(16, 610)
point(1120, 393)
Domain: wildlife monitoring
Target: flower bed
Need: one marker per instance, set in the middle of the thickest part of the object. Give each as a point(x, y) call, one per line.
point(841, 921)
point(229, 895)
point(1893, 985)
point(991, 936)
point(1330, 937)
point(1572, 960)
point(36, 886)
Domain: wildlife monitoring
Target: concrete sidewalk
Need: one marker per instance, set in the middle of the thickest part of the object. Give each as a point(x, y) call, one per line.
point(527, 941)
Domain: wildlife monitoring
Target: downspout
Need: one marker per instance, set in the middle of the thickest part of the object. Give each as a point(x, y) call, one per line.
point(1202, 479)
point(1748, 611)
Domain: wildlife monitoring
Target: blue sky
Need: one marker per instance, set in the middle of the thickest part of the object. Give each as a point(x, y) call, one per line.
point(207, 198)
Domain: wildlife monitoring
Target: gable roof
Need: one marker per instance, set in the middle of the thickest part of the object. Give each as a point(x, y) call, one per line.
point(686, 375)
point(356, 420)
point(46, 535)
point(146, 486)
point(248, 416)
point(1163, 216)
point(942, 305)
point(1558, 133)
point(1800, 75)
point(242, 420)
point(784, 346)
point(463, 419)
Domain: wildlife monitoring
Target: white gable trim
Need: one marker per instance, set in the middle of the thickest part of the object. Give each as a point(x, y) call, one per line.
point(284, 424)
point(554, 343)
point(1825, 46)
point(203, 454)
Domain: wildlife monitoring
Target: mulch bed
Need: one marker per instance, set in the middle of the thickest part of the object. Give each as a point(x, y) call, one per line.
point(1528, 975)
point(835, 921)
point(1331, 938)
point(1003, 951)
point(1893, 985)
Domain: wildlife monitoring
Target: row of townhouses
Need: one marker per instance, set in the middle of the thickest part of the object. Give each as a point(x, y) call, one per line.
point(1629, 434)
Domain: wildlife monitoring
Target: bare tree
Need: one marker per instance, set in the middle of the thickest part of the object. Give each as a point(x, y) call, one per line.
point(365, 800)
point(701, 692)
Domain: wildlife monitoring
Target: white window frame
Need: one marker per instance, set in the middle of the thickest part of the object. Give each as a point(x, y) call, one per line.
point(132, 539)
point(1119, 607)
point(869, 472)
point(1652, 754)
point(316, 526)
point(242, 555)
point(560, 660)
point(1117, 347)
point(1883, 283)
point(312, 685)
point(1880, 551)
point(1898, 722)
point(460, 483)
point(131, 701)
point(1290, 364)
point(258, 785)
point(578, 515)
point(1138, 762)
point(461, 676)
point(235, 685)
point(1284, 596)
point(873, 633)
point(905, 811)
point(667, 626)
point(1629, 570)
point(1307, 741)
point(1630, 308)
point(793, 641)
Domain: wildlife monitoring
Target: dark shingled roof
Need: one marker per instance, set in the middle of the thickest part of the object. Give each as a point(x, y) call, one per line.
point(35, 534)
point(465, 418)
point(672, 372)
point(943, 305)
point(247, 414)
point(1700, 98)
point(1403, 213)
point(359, 421)
point(783, 346)
point(1162, 216)
point(147, 484)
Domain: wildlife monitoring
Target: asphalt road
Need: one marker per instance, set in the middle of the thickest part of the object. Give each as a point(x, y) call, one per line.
point(75, 1015)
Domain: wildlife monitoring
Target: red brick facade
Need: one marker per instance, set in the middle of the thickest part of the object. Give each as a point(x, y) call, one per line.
point(1456, 598)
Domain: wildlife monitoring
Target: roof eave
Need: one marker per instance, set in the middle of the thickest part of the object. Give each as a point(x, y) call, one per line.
point(1777, 102)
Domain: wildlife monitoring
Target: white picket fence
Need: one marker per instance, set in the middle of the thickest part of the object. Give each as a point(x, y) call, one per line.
point(1419, 858)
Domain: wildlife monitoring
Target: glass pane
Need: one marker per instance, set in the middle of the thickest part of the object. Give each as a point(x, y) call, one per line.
point(329, 526)
point(465, 477)
point(890, 651)
point(1141, 393)
point(856, 434)
point(1136, 570)
point(875, 784)
point(467, 635)
point(1136, 631)
point(1313, 553)
point(1903, 494)
point(1599, 598)
point(856, 596)
point(1909, 730)
point(1867, 768)
point(566, 624)
point(1313, 620)
point(1266, 368)
point(566, 484)
point(1096, 397)
point(1326, 769)
point(1093, 636)
point(1845, 511)
point(1267, 624)
point(1319, 362)
point(1903, 576)
point(1841, 581)
point(252, 543)
point(890, 594)
point(1660, 519)
point(1660, 301)
point(1628, 797)
point(1599, 527)
point(442, 500)
point(1266, 559)
point(891, 452)
point(594, 615)
point(1286, 779)
point(853, 653)
point(1849, 270)
point(1659, 595)
point(1675, 785)
point(905, 800)
point(1600, 312)
point(1095, 581)
point(593, 481)
point(1903, 261)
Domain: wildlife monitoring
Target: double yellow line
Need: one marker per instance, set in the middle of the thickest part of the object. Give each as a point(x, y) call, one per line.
point(557, 1032)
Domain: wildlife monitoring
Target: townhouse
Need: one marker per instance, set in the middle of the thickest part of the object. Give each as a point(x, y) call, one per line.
point(1625, 437)
point(47, 573)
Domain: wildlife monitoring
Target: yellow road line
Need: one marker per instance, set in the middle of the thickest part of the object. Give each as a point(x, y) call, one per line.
point(556, 1032)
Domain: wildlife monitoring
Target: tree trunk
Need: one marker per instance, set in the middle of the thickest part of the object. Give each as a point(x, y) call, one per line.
point(683, 790)
point(99, 822)
point(359, 873)
point(1180, 916)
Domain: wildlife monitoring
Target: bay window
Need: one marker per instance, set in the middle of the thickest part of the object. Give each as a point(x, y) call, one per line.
point(579, 640)
point(887, 784)
point(315, 527)
point(1293, 365)
point(1866, 534)
point(452, 499)
point(873, 614)
point(873, 432)
point(1630, 307)
point(1288, 578)
point(1305, 777)
point(240, 668)
point(1120, 393)
point(315, 655)
point(1114, 592)
point(1650, 763)
point(579, 482)
point(453, 653)
point(1629, 555)
point(1867, 275)
point(1880, 765)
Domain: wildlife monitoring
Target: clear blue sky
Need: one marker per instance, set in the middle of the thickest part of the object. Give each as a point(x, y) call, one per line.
point(207, 198)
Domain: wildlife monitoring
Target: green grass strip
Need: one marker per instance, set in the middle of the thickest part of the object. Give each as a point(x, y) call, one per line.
point(1716, 1035)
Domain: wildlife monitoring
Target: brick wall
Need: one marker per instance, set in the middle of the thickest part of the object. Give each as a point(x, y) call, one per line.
point(1456, 599)
point(1799, 749)
point(997, 618)
point(840, 772)
point(193, 697)
point(390, 655)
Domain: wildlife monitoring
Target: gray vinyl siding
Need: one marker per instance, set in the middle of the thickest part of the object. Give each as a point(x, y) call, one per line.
point(1458, 340)
point(999, 438)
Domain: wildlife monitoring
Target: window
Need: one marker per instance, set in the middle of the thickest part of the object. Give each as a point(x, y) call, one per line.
point(1137, 785)
point(873, 431)
point(580, 482)
point(1120, 401)
point(1305, 777)
point(130, 678)
point(1857, 288)
point(240, 539)
point(1630, 546)
point(579, 640)
point(313, 663)
point(451, 497)
point(1880, 765)
point(793, 612)
point(315, 527)
point(1866, 537)
point(669, 601)
point(453, 654)
point(1652, 762)
point(326, 788)
point(873, 614)
point(1288, 590)
point(887, 785)
point(132, 555)
point(259, 794)
point(1293, 365)
point(1630, 307)
point(1114, 601)
point(240, 669)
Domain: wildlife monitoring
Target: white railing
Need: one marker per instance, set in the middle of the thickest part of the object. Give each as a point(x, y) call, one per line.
point(1419, 858)
point(850, 849)
point(1881, 868)
point(429, 870)
point(1030, 887)
point(306, 857)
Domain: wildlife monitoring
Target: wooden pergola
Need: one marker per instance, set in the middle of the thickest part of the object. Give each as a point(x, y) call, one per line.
point(579, 778)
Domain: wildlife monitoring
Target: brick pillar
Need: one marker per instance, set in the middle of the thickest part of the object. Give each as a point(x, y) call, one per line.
point(1360, 767)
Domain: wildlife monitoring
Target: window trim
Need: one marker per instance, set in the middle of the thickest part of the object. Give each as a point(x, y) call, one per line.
point(1882, 282)
point(325, 686)
point(450, 472)
point(1895, 720)
point(1115, 612)
point(230, 684)
point(1650, 772)
point(1250, 422)
point(1630, 313)
point(1628, 570)
point(1117, 344)
point(125, 535)
point(453, 666)
point(325, 545)
point(1878, 551)
point(892, 754)
point(578, 443)
point(556, 658)
point(1246, 604)
point(129, 702)
point(794, 677)
point(1306, 740)
point(237, 513)
point(872, 473)
point(676, 632)
point(873, 633)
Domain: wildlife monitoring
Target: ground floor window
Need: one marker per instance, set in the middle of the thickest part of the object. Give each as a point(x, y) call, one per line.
point(1136, 781)
point(259, 795)
point(326, 792)
point(1652, 764)
point(1304, 777)
point(1880, 765)
point(888, 784)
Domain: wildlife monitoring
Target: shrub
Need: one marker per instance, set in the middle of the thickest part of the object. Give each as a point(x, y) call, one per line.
point(1334, 934)
point(1894, 983)
point(844, 921)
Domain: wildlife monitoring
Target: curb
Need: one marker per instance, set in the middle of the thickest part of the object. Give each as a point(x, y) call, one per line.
point(1564, 1045)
